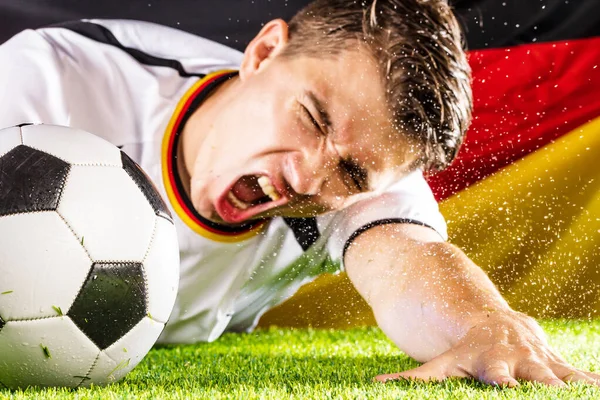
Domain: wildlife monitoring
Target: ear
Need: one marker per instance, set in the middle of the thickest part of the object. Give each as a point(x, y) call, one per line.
point(269, 42)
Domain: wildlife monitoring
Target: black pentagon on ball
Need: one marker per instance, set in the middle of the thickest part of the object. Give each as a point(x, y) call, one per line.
point(30, 180)
point(2, 323)
point(111, 301)
point(146, 186)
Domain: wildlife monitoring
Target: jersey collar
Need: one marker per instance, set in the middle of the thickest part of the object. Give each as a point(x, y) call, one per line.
point(181, 203)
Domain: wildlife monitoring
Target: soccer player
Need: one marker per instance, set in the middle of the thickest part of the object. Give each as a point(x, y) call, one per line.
point(303, 155)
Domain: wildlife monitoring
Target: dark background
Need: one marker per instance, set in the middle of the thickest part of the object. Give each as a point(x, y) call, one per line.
point(488, 23)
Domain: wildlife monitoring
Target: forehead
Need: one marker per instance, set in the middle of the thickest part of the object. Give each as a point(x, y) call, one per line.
point(352, 78)
point(353, 94)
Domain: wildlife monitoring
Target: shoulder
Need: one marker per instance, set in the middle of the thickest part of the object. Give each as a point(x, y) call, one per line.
point(409, 197)
point(407, 201)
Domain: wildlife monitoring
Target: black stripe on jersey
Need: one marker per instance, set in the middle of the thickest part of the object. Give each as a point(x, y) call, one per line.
point(102, 34)
point(377, 223)
point(305, 230)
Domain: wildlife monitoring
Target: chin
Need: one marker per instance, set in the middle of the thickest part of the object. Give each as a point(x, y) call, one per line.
point(208, 211)
point(212, 216)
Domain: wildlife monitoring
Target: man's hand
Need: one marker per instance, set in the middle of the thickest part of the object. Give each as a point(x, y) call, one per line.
point(499, 350)
point(442, 309)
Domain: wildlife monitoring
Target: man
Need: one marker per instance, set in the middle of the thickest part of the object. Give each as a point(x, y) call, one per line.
point(305, 151)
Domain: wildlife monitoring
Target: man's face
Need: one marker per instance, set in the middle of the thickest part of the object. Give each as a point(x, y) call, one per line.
point(297, 136)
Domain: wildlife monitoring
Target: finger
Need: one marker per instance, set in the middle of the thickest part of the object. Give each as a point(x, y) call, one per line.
point(497, 373)
point(577, 376)
point(537, 372)
point(593, 375)
point(408, 375)
point(434, 370)
point(425, 375)
point(569, 374)
point(388, 377)
point(425, 372)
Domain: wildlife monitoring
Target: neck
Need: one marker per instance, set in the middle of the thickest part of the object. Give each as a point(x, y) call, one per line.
point(198, 126)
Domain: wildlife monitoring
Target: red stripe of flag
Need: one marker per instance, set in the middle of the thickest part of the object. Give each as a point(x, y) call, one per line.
point(524, 98)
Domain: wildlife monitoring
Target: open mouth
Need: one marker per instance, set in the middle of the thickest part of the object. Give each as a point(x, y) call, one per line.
point(247, 197)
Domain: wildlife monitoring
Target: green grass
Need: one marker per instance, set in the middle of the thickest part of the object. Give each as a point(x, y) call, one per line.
point(317, 364)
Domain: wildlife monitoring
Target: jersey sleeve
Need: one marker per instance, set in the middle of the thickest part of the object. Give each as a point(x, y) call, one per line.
point(32, 82)
point(408, 201)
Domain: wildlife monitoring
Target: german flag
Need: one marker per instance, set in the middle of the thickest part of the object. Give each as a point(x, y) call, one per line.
point(523, 197)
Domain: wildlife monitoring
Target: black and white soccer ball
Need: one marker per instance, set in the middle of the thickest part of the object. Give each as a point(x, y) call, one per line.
point(89, 261)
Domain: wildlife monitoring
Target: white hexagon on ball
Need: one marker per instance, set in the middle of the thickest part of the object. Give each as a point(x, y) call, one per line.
point(42, 264)
point(116, 361)
point(108, 213)
point(45, 352)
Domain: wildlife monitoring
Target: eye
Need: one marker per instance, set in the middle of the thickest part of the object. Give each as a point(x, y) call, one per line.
point(355, 173)
point(310, 118)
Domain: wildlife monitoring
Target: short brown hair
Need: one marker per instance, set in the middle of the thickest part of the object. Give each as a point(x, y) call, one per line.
point(419, 50)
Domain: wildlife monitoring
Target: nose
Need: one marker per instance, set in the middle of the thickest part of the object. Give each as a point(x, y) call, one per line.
point(307, 174)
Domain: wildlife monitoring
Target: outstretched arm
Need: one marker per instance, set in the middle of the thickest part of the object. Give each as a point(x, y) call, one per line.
point(442, 309)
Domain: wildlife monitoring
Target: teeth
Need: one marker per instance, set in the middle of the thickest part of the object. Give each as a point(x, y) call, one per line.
point(268, 188)
point(237, 202)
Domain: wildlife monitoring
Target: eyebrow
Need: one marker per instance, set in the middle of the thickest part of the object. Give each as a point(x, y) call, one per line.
point(321, 109)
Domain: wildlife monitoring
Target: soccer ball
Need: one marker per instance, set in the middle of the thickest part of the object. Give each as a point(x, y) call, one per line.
point(89, 261)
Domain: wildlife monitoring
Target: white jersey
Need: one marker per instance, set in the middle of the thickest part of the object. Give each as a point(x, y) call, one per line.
point(135, 84)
